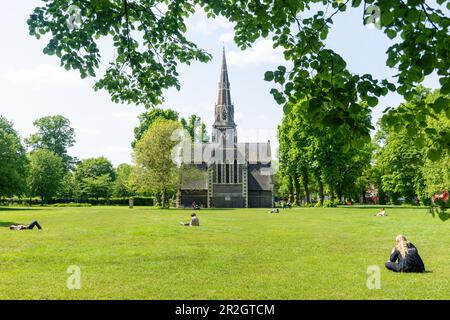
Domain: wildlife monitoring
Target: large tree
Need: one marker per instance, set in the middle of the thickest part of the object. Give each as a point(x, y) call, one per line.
point(413, 161)
point(94, 178)
point(54, 133)
point(150, 38)
point(13, 160)
point(45, 174)
point(154, 155)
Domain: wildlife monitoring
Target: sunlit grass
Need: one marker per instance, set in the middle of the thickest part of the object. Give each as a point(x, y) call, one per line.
point(144, 253)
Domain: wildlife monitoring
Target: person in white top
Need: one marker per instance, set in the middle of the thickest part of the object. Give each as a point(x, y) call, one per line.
point(382, 213)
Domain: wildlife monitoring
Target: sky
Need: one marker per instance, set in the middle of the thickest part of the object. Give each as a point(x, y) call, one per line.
point(33, 85)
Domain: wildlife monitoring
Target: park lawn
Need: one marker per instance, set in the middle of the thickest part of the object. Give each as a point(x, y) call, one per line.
point(143, 253)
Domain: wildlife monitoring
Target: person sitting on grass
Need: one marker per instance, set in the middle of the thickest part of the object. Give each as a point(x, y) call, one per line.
point(25, 226)
point(382, 213)
point(194, 221)
point(407, 256)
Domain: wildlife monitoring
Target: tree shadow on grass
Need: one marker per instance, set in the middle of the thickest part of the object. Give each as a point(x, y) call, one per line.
point(7, 224)
point(18, 208)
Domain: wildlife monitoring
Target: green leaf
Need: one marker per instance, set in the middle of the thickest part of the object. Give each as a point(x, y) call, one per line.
point(391, 33)
point(445, 82)
point(434, 154)
point(372, 101)
point(269, 75)
point(387, 18)
point(440, 104)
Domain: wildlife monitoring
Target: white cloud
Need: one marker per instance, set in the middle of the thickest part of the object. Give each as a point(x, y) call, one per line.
point(226, 37)
point(262, 52)
point(200, 23)
point(127, 115)
point(40, 76)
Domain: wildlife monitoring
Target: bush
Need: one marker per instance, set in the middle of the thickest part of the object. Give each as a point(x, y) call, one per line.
point(71, 204)
point(329, 204)
point(138, 201)
point(319, 204)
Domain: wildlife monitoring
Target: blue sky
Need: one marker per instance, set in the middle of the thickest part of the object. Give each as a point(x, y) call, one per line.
point(32, 85)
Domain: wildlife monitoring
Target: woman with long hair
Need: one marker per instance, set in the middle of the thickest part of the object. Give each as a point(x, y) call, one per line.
point(407, 256)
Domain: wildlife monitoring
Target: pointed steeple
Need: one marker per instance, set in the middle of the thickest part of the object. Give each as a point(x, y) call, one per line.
point(224, 96)
point(224, 111)
point(224, 126)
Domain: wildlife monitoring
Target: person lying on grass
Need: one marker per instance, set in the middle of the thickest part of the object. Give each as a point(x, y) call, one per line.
point(275, 210)
point(194, 221)
point(25, 226)
point(407, 256)
point(382, 213)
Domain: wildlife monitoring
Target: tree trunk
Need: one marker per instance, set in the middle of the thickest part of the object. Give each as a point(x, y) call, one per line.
point(164, 199)
point(305, 180)
point(297, 190)
point(158, 199)
point(291, 190)
point(321, 195)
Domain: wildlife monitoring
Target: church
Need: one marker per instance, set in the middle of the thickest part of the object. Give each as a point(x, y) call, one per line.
point(228, 174)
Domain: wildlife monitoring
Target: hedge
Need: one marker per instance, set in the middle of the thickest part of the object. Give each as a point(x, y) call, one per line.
point(138, 201)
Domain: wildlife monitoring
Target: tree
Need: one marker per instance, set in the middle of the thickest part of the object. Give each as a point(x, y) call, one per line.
point(122, 185)
point(13, 161)
point(55, 134)
point(415, 167)
point(94, 178)
point(313, 155)
point(153, 154)
point(146, 119)
point(96, 187)
point(45, 174)
point(149, 36)
point(416, 114)
point(196, 128)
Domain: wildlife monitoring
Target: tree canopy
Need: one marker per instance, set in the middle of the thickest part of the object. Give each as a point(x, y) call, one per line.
point(46, 174)
point(54, 133)
point(150, 39)
point(13, 161)
point(153, 156)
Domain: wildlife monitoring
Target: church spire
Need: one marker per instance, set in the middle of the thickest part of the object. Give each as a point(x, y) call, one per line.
point(224, 127)
point(224, 111)
point(224, 96)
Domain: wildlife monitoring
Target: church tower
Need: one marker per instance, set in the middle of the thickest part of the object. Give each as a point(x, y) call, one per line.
point(224, 128)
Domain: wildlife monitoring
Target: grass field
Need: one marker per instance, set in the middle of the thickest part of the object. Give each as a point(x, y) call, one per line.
point(144, 253)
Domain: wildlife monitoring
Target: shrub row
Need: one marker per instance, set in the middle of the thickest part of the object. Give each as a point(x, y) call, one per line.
point(138, 201)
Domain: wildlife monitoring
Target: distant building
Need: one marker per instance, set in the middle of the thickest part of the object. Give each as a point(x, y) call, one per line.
point(228, 174)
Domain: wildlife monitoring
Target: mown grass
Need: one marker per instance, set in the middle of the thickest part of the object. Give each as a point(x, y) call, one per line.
point(144, 253)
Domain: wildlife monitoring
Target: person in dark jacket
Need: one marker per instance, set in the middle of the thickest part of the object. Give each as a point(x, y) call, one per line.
point(407, 256)
point(194, 221)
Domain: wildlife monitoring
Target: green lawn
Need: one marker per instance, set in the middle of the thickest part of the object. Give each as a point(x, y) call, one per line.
point(144, 253)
